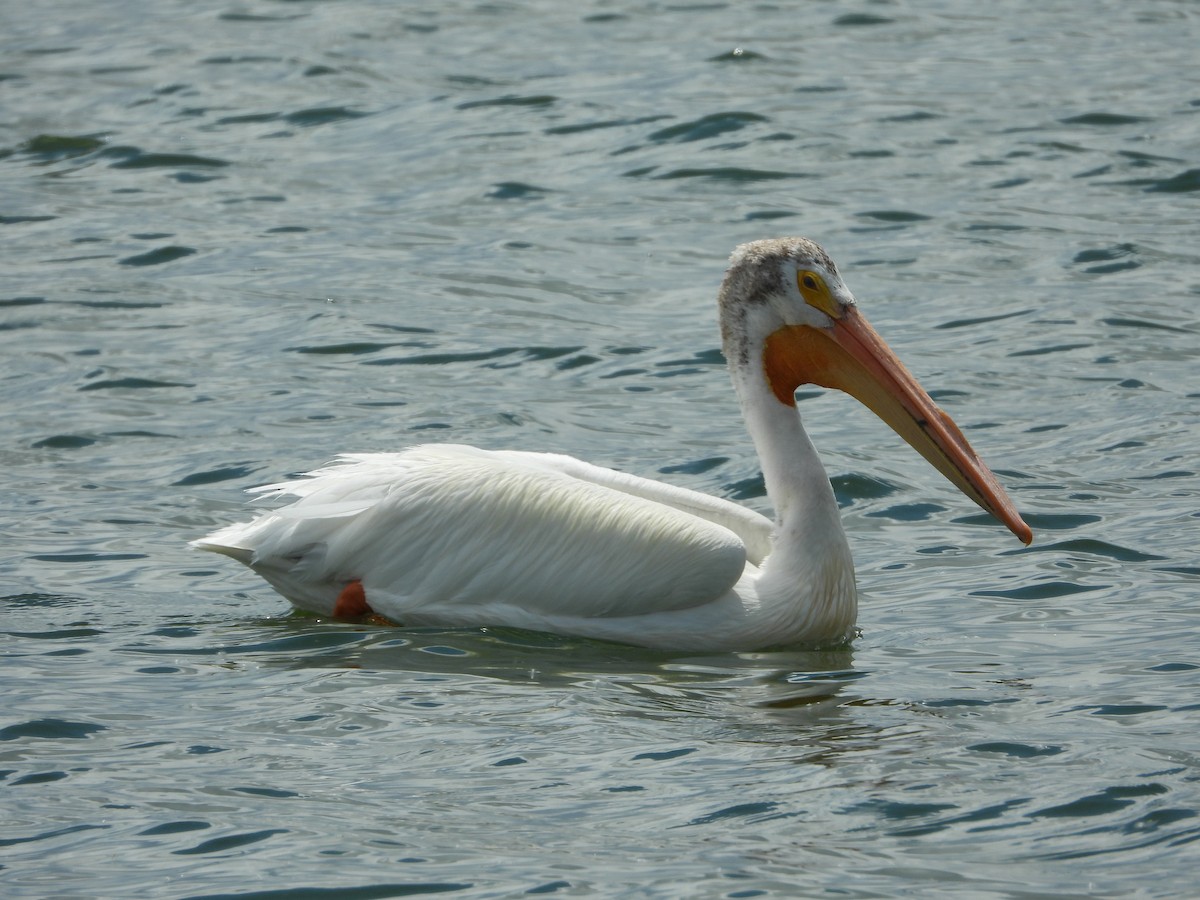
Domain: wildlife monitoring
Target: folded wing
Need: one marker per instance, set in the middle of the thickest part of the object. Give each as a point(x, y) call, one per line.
point(439, 529)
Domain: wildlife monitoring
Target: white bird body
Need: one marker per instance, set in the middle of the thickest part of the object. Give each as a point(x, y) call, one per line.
point(665, 566)
point(451, 535)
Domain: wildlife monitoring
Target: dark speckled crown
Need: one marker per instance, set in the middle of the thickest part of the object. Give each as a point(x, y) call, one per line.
point(756, 273)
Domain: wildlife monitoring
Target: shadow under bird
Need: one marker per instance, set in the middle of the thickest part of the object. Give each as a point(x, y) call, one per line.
point(451, 535)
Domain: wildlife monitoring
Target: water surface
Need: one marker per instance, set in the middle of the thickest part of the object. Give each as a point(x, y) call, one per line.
point(240, 238)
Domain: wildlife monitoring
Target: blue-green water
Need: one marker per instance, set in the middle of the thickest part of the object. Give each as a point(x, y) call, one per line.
point(238, 238)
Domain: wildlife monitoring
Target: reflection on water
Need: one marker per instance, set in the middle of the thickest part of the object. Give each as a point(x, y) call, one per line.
point(769, 679)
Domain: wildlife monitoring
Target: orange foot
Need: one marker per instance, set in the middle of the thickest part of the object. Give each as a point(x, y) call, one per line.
point(351, 602)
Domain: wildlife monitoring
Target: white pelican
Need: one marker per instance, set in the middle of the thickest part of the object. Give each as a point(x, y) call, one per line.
point(450, 535)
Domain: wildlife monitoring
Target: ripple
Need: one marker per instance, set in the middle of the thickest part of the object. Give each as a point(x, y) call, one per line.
point(1187, 571)
point(1169, 473)
point(352, 348)
point(249, 118)
point(381, 891)
point(768, 215)
point(516, 190)
point(1116, 258)
point(1087, 546)
point(64, 442)
point(158, 257)
point(136, 158)
point(258, 17)
point(132, 383)
point(230, 59)
point(996, 226)
point(980, 320)
point(510, 761)
point(35, 600)
point(1183, 183)
point(179, 827)
point(39, 778)
point(117, 304)
point(53, 147)
point(706, 127)
point(1125, 322)
point(323, 115)
point(1106, 802)
point(58, 634)
point(1124, 709)
point(51, 729)
point(269, 793)
point(748, 811)
point(861, 20)
point(1042, 590)
point(214, 476)
point(1045, 351)
point(731, 174)
point(576, 362)
point(231, 842)
point(85, 557)
point(1174, 667)
point(662, 755)
point(49, 835)
point(606, 123)
point(301, 648)
point(528, 354)
point(534, 100)
point(1104, 119)
point(896, 810)
point(908, 512)
point(747, 489)
point(919, 116)
point(695, 467)
point(1015, 749)
point(854, 486)
point(23, 220)
point(1060, 521)
point(893, 215)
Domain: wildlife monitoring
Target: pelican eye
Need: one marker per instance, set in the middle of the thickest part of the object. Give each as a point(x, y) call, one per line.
point(816, 293)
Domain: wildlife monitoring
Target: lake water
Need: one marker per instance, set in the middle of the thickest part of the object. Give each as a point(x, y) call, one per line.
point(240, 237)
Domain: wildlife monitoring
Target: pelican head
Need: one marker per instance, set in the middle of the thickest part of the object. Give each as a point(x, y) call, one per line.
point(788, 319)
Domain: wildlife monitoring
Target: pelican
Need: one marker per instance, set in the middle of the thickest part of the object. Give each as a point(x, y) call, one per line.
point(451, 535)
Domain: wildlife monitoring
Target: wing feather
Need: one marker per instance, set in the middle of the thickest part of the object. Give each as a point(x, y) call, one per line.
point(754, 529)
point(440, 529)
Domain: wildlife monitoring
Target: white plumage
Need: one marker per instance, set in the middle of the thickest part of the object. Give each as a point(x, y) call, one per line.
point(445, 534)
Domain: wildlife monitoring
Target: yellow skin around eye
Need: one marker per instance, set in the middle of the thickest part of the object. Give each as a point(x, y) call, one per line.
point(817, 294)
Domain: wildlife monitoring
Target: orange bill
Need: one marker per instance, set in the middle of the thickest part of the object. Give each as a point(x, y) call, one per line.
point(851, 356)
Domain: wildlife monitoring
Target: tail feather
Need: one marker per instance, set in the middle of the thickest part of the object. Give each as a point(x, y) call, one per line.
point(221, 542)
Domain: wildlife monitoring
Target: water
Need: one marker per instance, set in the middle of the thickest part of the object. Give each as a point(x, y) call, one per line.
point(241, 237)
